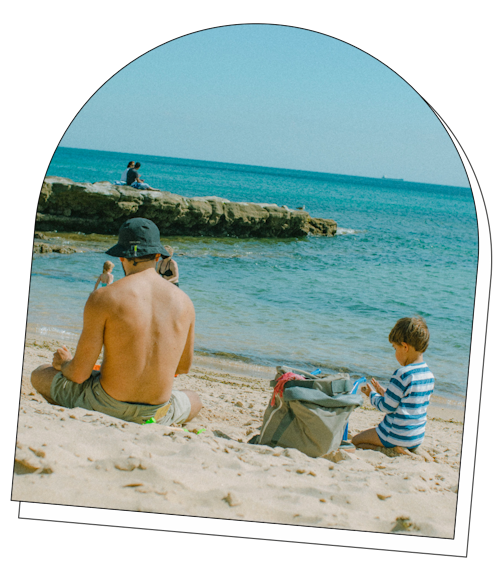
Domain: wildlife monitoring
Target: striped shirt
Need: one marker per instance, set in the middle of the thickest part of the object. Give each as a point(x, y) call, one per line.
point(405, 403)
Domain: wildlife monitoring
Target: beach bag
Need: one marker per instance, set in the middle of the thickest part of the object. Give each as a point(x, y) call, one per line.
point(307, 414)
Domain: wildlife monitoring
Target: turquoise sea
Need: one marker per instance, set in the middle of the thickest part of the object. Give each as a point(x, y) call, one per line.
point(402, 248)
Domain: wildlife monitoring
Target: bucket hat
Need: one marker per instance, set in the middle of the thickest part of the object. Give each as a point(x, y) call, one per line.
point(138, 237)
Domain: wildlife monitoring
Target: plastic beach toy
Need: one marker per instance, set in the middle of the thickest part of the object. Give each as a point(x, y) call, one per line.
point(355, 387)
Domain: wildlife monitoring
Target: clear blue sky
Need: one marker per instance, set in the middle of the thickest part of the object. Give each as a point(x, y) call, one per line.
point(272, 96)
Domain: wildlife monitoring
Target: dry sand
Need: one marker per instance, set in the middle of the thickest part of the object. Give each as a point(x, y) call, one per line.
point(85, 458)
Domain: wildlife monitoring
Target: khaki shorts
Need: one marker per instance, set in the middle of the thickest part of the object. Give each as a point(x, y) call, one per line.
point(91, 395)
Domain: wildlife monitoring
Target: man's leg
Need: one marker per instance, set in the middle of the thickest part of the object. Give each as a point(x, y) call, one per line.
point(41, 379)
point(196, 404)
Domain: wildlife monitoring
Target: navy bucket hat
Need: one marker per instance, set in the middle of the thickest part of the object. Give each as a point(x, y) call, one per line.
point(138, 237)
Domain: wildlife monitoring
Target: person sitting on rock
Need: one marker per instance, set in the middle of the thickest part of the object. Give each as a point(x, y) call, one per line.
point(133, 179)
point(123, 179)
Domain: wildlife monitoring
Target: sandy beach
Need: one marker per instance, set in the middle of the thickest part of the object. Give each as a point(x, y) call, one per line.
point(85, 458)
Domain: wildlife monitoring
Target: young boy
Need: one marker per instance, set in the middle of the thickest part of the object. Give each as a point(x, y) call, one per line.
point(407, 397)
point(106, 277)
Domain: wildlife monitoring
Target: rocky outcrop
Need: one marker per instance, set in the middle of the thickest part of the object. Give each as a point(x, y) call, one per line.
point(43, 248)
point(102, 207)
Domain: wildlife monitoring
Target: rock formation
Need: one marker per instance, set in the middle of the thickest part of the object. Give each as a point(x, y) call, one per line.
point(102, 207)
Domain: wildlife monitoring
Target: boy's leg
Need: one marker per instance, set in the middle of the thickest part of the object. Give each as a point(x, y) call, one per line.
point(367, 437)
point(41, 379)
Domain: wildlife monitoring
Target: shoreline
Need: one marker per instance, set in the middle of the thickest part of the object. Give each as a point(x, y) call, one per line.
point(244, 368)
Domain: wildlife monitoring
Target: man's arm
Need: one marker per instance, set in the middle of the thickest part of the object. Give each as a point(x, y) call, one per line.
point(185, 362)
point(79, 368)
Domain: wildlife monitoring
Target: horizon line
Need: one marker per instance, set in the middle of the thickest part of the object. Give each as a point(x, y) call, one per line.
point(382, 178)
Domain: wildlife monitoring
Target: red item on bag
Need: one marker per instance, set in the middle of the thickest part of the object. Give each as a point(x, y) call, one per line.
point(280, 384)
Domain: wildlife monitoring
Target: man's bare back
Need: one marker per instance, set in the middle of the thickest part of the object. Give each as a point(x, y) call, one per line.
point(148, 337)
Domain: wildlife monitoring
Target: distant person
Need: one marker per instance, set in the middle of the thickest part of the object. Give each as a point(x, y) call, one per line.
point(168, 268)
point(146, 330)
point(124, 175)
point(406, 400)
point(131, 164)
point(133, 179)
point(106, 277)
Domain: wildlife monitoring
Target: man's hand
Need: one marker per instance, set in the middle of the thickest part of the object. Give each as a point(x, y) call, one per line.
point(60, 356)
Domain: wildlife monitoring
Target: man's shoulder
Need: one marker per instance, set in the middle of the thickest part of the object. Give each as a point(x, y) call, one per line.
point(178, 295)
point(100, 295)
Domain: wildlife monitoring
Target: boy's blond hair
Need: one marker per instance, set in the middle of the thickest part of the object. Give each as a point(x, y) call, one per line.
point(412, 331)
point(108, 266)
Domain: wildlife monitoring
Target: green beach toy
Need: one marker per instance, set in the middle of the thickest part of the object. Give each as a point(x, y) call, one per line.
point(151, 420)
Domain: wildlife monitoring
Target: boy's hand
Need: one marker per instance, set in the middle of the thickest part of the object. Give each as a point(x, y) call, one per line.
point(366, 390)
point(377, 387)
point(60, 356)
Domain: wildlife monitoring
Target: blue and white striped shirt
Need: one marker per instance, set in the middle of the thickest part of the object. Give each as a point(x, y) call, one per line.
point(405, 403)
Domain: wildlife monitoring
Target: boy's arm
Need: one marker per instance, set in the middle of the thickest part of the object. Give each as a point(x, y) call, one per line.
point(389, 402)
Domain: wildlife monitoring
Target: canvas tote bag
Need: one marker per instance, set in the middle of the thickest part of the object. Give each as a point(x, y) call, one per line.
point(308, 414)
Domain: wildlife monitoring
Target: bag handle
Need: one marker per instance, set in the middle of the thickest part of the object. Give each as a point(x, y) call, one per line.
point(281, 369)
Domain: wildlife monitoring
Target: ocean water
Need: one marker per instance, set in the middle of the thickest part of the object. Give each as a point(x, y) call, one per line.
point(402, 249)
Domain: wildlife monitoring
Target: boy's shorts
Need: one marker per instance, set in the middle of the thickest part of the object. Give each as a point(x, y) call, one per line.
point(382, 433)
point(91, 395)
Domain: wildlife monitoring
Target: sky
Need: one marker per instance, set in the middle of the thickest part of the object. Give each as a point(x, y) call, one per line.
point(273, 96)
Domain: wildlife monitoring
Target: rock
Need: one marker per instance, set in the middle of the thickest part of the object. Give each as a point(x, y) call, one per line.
point(231, 499)
point(42, 248)
point(65, 205)
point(403, 524)
point(27, 460)
point(336, 456)
point(128, 464)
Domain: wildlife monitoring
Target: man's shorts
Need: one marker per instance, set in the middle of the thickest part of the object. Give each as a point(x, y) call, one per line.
point(91, 395)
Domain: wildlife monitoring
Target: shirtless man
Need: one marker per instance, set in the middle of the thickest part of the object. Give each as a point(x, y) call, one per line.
point(146, 326)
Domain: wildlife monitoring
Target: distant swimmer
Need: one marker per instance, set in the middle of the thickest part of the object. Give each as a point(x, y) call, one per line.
point(168, 268)
point(106, 277)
